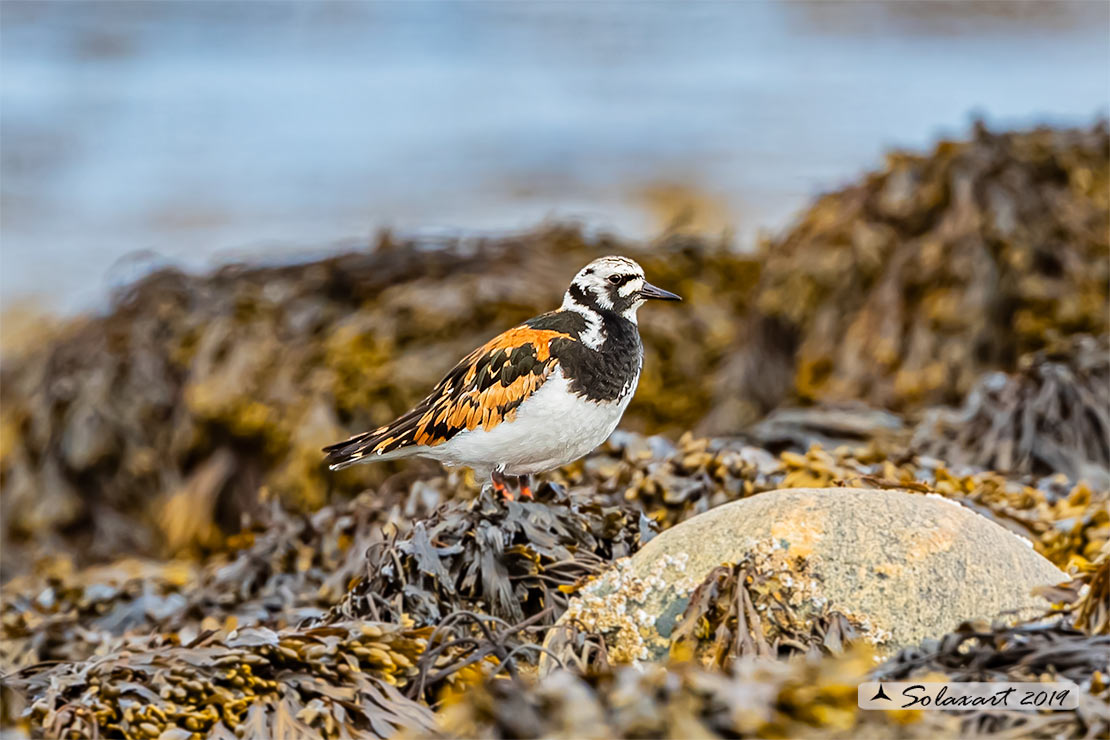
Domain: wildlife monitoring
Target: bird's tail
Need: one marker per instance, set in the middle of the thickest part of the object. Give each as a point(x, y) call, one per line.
point(360, 448)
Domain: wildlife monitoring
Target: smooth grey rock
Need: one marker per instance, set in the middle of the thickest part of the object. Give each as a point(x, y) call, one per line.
point(911, 566)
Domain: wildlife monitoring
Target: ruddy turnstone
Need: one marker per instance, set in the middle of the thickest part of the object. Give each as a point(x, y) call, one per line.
point(536, 397)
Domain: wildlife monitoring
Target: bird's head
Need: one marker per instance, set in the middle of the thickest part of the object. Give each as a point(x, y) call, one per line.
point(614, 284)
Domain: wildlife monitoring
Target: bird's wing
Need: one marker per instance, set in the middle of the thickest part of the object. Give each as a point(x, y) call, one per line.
point(484, 389)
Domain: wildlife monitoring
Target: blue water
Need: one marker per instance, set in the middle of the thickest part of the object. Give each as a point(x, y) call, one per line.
point(142, 133)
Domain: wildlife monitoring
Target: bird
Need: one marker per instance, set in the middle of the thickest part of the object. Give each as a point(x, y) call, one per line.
point(535, 397)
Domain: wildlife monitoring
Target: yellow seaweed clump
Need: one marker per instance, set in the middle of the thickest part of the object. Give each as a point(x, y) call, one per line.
point(756, 699)
point(255, 683)
point(903, 289)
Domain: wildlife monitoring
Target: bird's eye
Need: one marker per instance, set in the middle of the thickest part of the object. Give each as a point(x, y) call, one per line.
point(616, 279)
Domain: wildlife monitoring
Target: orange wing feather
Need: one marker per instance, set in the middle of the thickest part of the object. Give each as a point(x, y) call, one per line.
point(484, 389)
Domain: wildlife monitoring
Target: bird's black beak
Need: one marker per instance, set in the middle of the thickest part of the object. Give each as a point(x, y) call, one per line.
point(650, 291)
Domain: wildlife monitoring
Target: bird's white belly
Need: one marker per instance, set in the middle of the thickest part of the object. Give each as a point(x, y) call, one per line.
point(552, 427)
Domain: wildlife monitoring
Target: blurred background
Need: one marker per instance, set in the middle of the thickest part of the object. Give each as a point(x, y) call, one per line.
point(234, 232)
point(139, 134)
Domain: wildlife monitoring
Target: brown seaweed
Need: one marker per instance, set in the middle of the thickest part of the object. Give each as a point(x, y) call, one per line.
point(800, 697)
point(508, 559)
point(287, 567)
point(743, 609)
point(154, 426)
point(1086, 598)
point(756, 699)
point(1038, 651)
point(903, 289)
point(194, 392)
point(249, 593)
point(257, 683)
point(1053, 415)
point(282, 569)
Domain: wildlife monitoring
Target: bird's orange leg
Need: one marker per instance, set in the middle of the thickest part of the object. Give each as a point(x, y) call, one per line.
point(500, 485)
point(525, 486)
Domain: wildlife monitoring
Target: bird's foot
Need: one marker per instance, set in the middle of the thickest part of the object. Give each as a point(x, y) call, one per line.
point(501, 485)
point(525, 486)
point(504, 485)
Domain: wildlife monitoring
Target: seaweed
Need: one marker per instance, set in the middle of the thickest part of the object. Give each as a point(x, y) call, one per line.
point(1053, 415)
point(286, 567)
point(1086, 597)
point(177, 562)
point(810, 695)
point(904, 288)
point(323, 681)
point(1071, 642)
point(196, 391)
point(1038, 651)
point(508, 559)
point(750, 609)
point(150, 430)
point(282, 569)
point(757, 698)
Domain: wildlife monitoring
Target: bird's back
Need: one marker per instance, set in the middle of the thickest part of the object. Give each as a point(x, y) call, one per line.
point(485, 389)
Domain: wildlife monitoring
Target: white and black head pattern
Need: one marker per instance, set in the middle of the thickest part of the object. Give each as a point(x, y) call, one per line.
point(609, 284)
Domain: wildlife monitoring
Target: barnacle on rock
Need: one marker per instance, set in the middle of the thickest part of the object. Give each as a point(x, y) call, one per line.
point(606, 607)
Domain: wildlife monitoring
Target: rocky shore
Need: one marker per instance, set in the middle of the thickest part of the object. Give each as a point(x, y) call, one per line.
point(177, 562)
